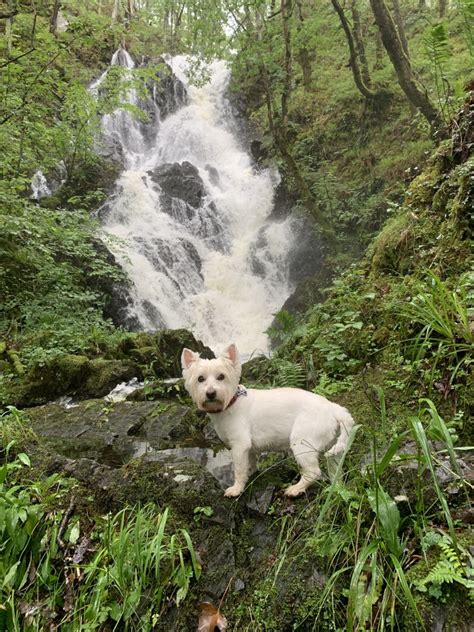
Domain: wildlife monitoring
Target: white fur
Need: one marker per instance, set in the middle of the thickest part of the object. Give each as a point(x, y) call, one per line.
point(273, 419)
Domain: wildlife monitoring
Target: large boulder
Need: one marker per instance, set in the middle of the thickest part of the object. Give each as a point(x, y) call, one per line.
point(167, 91)
point(116, 432)
point(180, 181)
point(160, 351)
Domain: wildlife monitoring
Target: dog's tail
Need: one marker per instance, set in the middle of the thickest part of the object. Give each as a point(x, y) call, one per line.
point(345, 424)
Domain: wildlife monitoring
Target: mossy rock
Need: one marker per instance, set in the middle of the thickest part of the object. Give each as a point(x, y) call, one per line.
point(184, 486)
point(74, 375)
point(98, 175)
point(115, 432)
point(160, 353)
point(391, 250)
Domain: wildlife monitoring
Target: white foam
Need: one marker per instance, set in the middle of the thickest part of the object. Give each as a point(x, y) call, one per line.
point(243, 279)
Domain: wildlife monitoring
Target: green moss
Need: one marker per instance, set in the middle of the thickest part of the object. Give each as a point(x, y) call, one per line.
point(392, 246)
point(159, 353)
point(70, 375)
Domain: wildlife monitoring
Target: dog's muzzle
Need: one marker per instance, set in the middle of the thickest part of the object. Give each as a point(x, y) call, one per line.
point(213, 405)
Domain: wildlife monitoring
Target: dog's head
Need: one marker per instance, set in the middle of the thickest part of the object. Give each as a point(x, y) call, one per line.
point(211, 383)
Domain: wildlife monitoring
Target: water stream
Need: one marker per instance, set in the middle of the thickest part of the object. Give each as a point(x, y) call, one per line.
point(192, 212)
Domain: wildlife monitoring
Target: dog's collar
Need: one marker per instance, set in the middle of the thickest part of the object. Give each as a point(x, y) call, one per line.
point(241, 392)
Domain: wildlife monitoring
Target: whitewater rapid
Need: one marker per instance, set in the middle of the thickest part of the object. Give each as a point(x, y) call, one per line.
point(221, 269)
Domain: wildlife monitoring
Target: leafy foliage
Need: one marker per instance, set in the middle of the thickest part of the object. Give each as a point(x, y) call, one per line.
point(443, 317)
point(122, 569)
point(437, 49)
point(453, 566)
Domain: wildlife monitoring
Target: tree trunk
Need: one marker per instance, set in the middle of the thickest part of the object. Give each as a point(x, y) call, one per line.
point(359, 44)
point(398, 19)
point(130, 9)
point(353, 60)
point(115, 11)
point(379, 51)
point(285, 8)
point(53, 23)
point(303, 53)
point(401, 63)
point(442, 6)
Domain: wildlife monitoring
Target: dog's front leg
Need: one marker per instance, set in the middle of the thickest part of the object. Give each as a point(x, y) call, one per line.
point(241, 461)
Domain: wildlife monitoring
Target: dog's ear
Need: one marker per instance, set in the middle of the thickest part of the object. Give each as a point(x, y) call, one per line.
point(233, 354)
point(188, 357)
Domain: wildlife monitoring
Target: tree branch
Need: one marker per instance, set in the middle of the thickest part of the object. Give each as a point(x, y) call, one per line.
point(11, 61)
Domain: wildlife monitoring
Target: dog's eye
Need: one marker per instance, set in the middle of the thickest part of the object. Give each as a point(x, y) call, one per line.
point(201, 378)
point(221, 377)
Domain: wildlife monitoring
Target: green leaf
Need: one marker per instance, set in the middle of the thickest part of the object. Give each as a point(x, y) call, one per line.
point(75, 532)
point(25, 459)
point(11, 575)
point(386, 510)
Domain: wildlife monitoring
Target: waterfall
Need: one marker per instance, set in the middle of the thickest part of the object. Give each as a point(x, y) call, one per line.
point(39, 186)
point(192, 215)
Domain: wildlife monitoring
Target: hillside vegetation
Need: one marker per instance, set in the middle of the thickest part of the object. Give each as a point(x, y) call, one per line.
point(375, 149)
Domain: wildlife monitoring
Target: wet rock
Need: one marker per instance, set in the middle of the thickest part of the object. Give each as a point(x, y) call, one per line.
point(115, 433)
point(283, 202)
point(239, 585)
point(261, 499)
point(213, 175)
point(218, 463)
point(160, 351)
point(180, 181)
point(181, 485)
point(306, 257)
point(259, 154)
point(308, 292)
point(167, 258)
point(167, 91)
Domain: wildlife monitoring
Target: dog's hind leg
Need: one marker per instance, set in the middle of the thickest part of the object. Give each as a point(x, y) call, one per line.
point(307, 457)
point(332, 462)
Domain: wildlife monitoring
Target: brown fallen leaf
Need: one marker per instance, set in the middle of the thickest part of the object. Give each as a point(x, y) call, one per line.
point(210, 618)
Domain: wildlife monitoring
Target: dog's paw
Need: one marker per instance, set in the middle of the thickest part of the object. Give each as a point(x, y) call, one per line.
point(294, 490)
point(232, 492)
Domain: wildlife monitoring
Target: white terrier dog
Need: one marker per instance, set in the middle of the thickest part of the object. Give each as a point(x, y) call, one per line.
point(249, 421)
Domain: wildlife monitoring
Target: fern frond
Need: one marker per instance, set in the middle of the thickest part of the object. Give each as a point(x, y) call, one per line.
point(437, 44)
point(290, 374)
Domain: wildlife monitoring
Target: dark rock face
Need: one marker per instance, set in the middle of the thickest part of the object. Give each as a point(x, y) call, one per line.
point(306, 256)
point(180, 181)
point(167, 91)
point(183, 196)
point(166, 95)
point(160, 351)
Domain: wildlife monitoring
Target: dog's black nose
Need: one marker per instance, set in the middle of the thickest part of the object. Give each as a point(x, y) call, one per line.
point(211, 395)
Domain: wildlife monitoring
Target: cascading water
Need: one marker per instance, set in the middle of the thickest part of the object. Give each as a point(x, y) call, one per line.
point(192, 214)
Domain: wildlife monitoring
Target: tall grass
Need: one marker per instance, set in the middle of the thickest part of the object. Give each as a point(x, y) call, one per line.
point(442, 320)
point(366, 544)
point(118, 572)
